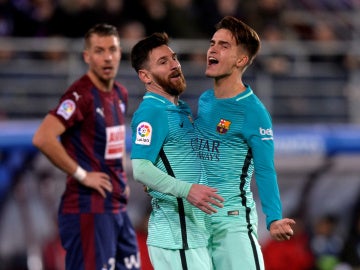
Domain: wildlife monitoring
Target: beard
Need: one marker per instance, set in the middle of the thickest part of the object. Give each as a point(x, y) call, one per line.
point(174, 88)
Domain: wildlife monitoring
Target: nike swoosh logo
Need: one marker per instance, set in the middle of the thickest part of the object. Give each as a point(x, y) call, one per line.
point(181, 124)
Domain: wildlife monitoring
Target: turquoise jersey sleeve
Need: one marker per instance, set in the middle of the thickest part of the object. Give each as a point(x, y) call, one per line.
point(146, 173)
point(149, 130)
point(260, 139)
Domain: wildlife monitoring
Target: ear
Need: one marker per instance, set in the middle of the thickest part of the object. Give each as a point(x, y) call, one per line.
point(242, 61)
point(144, 76)
point(120, 52)
point(86, 56)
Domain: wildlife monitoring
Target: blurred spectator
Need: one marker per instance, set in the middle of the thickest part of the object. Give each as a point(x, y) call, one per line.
point(183, 20)
point(131, 31)
point(350, 254)
point(57, 50)
point(6, 18)
point(265, 12)
point(327, 4)
point(325, 52)
point(276, 63)
point(72, 18)
point(212, 11)
point(112, 12)
point(116, 12)
point(152, 13)
point(6, 51)
point(33, 18)
point(326, 243)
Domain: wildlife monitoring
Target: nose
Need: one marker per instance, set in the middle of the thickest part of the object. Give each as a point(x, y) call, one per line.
point(108, 56)
point(175, 64)
point(212, 49)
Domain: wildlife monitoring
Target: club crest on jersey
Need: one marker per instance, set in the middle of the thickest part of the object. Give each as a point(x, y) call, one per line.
point(223, 126)
point(66, 108)
point(143, 134)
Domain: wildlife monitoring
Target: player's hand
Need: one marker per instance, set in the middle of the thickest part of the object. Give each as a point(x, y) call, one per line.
point(205, 198)
point(281, 229)
point(99, 181)
point(127, 191)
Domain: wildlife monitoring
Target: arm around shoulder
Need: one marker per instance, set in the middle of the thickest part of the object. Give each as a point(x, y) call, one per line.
point(147, 173)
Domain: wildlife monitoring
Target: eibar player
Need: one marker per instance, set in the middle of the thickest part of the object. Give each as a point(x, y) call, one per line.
point(94, 226)
point(236, 139)
point(164, 158)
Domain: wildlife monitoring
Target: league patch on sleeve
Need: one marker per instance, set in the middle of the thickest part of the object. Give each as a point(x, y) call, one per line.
point(66, 108)
point(143, 133)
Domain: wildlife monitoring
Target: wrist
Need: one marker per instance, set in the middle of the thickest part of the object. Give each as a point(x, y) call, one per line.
point(79, 174)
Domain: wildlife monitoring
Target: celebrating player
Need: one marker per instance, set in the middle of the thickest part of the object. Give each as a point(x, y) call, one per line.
point(164, 158)
point(236, 137)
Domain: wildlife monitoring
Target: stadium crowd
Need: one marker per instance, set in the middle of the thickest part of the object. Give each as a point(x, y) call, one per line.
point(179, 18)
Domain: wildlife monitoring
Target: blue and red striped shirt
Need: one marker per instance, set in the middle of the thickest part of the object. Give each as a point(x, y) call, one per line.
point(95, 138)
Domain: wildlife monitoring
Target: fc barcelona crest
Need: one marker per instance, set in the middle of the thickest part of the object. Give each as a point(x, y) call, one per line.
point(223, 126)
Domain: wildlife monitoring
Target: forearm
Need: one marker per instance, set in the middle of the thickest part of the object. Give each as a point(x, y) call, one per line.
point(147, 173)
point(58, 156)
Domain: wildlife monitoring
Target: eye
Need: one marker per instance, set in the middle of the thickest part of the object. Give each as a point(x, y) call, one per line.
point(98, 51)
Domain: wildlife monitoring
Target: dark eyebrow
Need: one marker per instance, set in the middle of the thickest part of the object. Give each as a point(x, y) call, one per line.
point(166, 57)
point(221, 42)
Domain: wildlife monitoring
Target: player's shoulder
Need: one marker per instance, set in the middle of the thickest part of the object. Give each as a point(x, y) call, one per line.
point(207, 96)
point(207, 93)
point(252, 101)
point(81, 86)
point(152, 107)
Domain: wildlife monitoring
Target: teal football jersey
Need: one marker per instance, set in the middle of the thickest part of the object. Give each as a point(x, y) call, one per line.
point(157, 124)
point(236, 139)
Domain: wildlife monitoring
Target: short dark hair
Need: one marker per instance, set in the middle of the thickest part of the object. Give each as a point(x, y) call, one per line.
point(243, 34)
point(141, 50)
point(101, 29)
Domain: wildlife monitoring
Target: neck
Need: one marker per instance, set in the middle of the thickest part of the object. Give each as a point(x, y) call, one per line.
point(156, 89)
point(104, 86)
point(226, 88)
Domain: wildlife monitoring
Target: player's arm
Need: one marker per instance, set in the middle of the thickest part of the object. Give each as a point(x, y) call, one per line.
point(259, 136)
point(46, 140)
point(201, 196)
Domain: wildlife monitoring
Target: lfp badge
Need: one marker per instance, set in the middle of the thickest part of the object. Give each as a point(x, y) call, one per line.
point(143, 133)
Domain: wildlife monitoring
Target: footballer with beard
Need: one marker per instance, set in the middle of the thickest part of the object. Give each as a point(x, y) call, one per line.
point(165, 159)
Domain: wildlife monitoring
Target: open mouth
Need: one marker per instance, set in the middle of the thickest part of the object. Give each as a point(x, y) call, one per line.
point(107, 69)
point(212, 61)
point(175, 75)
